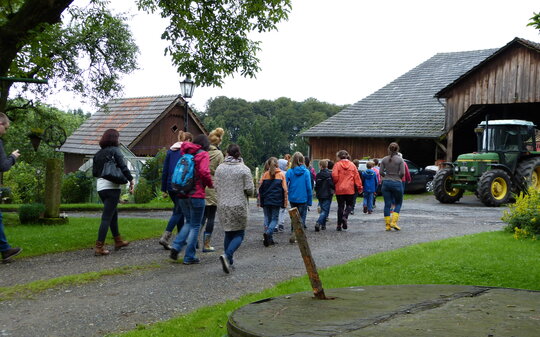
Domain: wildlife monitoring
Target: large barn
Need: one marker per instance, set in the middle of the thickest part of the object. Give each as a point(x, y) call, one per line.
point(146, 124)
point(431, 110)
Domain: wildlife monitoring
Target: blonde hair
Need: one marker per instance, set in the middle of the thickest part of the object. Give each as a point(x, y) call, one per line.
point(323, 164)
point(215, 136)
point(272, 165)
point(297, 159)
point(184, 136)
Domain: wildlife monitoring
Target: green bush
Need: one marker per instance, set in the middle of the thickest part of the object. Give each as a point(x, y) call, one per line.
point(523, 217)
point(26, 183)
point(152, 169)
point(76, 187)
point(30, 213)
point(144, 192)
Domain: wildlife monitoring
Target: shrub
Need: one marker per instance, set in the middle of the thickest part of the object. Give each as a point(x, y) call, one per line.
point(26, 183)
point(30, 213)
point(523, 218)
point(152, 169)
point(144, 192)
point(77, 187)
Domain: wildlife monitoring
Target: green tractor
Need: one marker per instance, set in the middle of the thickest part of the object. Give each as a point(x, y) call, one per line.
point(507, 161)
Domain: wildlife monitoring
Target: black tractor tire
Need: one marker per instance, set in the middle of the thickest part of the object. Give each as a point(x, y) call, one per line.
point(442, 187)
point(529, 172)
point(495, 188)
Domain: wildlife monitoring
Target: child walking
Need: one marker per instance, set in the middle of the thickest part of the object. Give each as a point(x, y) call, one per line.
point(324, 189)
point(273, 197)
point(369, 177)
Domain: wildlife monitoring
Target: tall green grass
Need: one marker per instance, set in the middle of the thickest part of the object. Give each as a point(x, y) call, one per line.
point(488, 259)
point(79, 233)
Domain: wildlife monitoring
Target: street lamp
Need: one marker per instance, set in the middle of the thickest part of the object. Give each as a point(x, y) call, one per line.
point(187, 86)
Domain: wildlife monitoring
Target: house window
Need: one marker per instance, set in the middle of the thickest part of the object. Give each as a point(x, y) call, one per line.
point(174, 128)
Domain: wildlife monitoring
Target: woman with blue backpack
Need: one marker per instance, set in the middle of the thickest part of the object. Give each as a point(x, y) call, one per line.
point(171, 159)
point(191, 194)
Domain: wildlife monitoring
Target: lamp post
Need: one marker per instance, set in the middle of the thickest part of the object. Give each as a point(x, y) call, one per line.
point(187, 86)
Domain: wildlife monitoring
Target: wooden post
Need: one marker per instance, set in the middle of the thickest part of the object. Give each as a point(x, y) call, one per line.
point(53, 183)
point(311, 268)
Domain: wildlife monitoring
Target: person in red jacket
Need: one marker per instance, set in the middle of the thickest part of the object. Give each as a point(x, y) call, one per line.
point(346, 178)
point(193, 205)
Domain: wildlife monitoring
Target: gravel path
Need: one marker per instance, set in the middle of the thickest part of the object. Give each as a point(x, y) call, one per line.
point(119, 303)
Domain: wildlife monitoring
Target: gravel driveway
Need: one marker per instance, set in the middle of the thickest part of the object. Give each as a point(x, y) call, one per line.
point(118, 303)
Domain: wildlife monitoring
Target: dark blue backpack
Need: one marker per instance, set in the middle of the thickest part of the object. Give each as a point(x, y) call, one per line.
point(183, 178)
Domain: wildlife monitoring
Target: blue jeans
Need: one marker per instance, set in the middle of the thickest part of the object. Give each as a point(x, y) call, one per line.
point(271, 215)
point(302, 209)
point(3, 240)
point(193, 209)
point(392, 192)
point(325, 210)
point(232, 241)
point(368, 200)
point(177, 217)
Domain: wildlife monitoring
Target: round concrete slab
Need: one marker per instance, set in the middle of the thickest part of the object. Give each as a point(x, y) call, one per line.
point(404, 310)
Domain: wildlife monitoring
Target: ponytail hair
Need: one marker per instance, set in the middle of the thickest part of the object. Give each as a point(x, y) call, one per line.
point(272, 164)
point(393, 149)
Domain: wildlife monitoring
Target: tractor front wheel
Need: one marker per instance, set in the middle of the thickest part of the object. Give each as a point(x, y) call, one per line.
point(494, 188)
point(442, 187)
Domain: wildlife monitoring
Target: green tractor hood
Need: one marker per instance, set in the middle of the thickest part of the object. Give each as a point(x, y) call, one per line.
point(489, 156)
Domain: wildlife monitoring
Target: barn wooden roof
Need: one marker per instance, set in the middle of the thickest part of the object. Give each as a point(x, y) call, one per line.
point(406, 107)
point(516, 41)
point(132, 117)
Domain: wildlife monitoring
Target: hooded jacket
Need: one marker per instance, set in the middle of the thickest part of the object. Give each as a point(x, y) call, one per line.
point(299, 185)
point(346, 178)
point(273, 192)
point(172, 157)
point(324, 185)
point(202, 169)
point(369, 177)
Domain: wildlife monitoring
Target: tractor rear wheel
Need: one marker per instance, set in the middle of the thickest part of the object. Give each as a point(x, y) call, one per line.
point(442, 187)
point(529, 170)
point(494, 188)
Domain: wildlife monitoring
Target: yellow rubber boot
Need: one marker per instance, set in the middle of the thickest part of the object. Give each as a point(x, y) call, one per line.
point(393, 223)
point(387, 220)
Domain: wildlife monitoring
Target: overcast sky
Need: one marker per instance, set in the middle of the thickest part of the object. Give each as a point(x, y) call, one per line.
point(337, 51)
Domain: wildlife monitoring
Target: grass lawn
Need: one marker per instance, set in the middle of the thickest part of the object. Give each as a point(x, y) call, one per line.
point(486, 259)
point(79, 233)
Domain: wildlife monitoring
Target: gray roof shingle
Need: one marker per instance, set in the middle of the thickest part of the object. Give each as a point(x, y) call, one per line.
point(406, 107)
point(130, 116)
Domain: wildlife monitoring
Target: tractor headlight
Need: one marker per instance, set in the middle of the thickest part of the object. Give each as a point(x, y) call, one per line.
point(456, 169)
point(473, 169)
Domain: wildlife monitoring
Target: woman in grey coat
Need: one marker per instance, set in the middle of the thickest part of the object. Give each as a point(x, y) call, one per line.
point(233, 184)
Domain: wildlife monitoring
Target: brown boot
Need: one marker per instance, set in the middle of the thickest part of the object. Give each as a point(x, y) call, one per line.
point(100, 250)
point(119, 243)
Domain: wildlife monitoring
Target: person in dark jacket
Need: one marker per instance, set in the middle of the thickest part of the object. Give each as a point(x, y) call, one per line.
point(192, 205)
point(177, 217)
point(273, 197)
point(324, 189)
point(6, 162)
point(109, 192)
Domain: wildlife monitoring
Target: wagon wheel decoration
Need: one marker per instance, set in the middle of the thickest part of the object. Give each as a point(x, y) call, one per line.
point(54, 136)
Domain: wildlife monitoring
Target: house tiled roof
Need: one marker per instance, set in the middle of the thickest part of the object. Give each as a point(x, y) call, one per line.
point(406, 107)
point(132, 117)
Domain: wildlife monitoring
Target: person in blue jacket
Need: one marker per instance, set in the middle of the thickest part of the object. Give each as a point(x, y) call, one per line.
point(299, 188)
point(177, 217)
point(371, 182)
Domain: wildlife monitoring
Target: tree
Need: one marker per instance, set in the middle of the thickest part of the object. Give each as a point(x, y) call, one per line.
point(535, 21)
point(87, 49)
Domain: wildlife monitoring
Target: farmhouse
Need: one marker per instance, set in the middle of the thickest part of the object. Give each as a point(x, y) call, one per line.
point(146, 124)
point(431, 110)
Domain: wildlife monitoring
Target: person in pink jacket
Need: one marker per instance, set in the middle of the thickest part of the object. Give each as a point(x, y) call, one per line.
point(193, 205)
point(346, 178)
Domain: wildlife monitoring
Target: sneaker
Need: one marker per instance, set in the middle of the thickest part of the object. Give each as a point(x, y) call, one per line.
point(365, 209)
point(225, 264)
point(338, 228)
point(194, 261)
point(317, 227)
point(265, 240)
point(344, 225)
point(8, 254)
point(174, 254)
point(323, 227)
point(275, 230)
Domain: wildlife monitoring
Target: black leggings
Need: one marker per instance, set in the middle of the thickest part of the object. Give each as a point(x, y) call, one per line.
point(109, 217)
point(209, 218)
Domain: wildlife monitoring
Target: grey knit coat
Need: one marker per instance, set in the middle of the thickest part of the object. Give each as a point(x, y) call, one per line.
point(233, 183)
